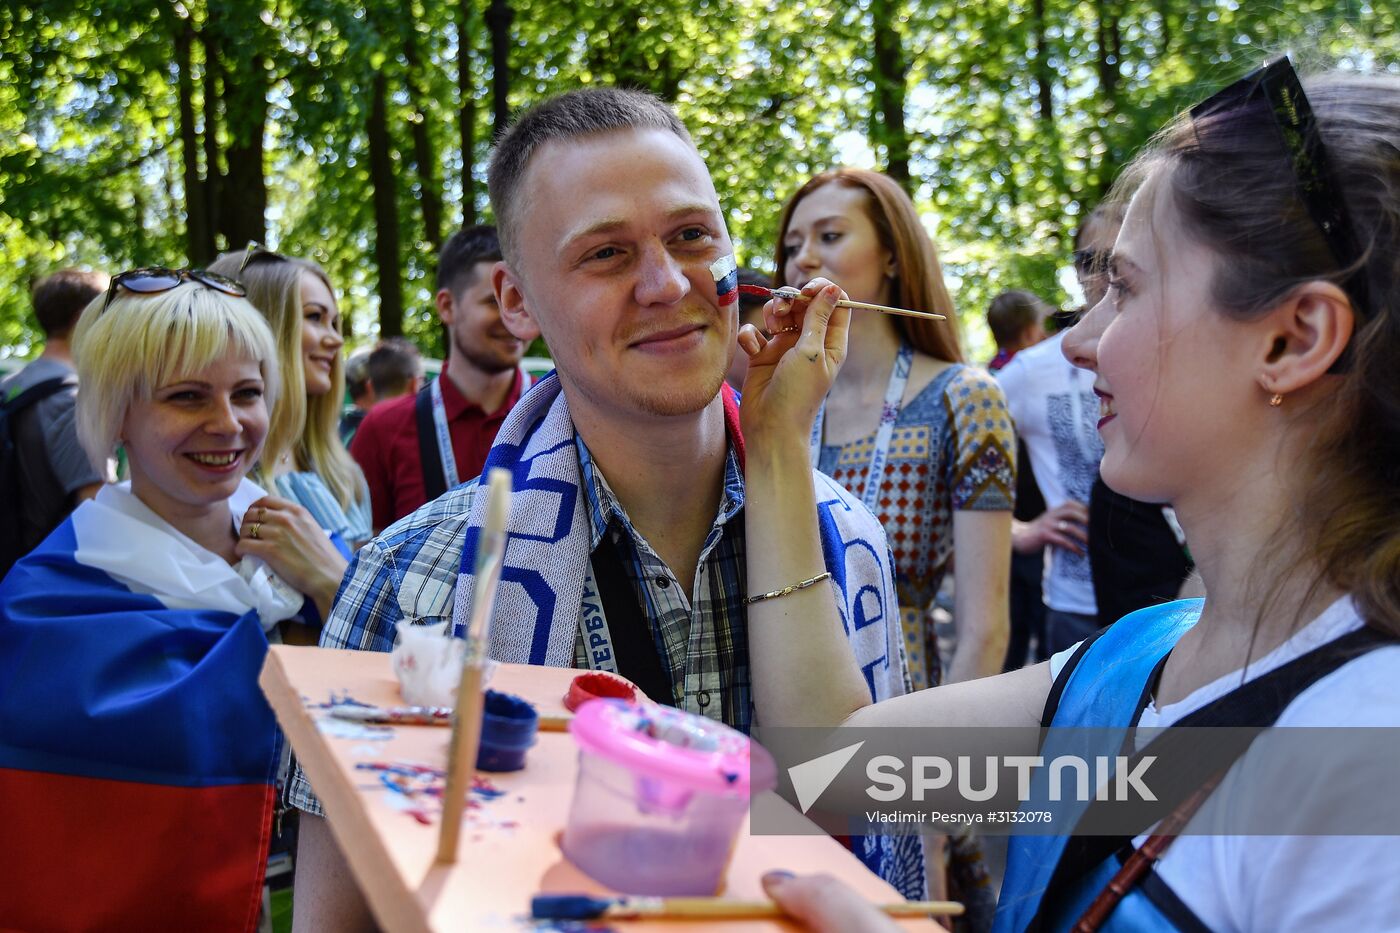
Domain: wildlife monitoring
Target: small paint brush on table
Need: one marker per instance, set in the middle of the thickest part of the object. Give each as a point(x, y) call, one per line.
point(584, 907)
point(429, 716)
point(791, 293)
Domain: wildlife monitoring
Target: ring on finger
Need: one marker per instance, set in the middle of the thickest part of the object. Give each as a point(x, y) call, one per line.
point(262, 514)
point(790, 329)
point(253, 533)
point(1060, 526)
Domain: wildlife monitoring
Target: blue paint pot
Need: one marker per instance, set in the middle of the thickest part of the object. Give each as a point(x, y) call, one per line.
point(508, 727)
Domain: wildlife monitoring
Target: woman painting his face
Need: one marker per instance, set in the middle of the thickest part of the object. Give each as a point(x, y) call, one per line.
point(1243, 355)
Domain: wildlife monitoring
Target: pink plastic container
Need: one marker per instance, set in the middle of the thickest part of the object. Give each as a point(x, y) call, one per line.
point(660, 798)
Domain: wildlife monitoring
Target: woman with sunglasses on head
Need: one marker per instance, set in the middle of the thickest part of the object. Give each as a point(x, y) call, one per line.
point(304, 461)
point(137, 754)
point(1245, 357)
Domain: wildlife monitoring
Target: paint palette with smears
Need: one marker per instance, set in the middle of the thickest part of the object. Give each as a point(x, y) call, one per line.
point(660, 797)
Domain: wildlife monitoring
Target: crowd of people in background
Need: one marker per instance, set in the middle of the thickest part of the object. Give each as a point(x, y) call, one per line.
point(276, 490)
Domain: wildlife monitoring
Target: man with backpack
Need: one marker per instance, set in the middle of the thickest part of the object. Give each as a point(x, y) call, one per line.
point(43, 468)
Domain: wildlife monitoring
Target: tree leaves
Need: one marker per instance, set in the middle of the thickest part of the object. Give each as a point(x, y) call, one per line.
point(92, 168)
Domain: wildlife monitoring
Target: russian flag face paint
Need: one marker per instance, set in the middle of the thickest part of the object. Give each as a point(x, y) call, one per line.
point(726, 273)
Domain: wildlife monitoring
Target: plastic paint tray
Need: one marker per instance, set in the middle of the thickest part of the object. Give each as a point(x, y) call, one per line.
point(660, 798)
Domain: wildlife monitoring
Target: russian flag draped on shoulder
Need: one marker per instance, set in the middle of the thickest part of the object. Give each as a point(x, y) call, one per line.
point(137, 757)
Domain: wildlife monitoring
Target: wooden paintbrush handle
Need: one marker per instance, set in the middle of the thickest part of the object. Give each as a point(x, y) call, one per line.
point(717, 907)
point(461, 759)
point(555, 722)
point(886, 309)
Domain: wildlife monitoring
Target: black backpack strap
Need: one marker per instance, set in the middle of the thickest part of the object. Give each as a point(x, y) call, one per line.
point(35, 393)
point(1257, 705)
point(633, 643)
point(17, 537)
point(1057, 689)
point(434, 482)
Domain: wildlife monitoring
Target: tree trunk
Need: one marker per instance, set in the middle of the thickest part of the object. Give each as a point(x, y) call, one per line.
point(890, 73)
point(213, 174)
point(244, 196)
point(1108, 62)
point(199, 239)
point(386, 215)
point(498, 19)
point(424, 153)
point(466, 116)
point(1109, 65)
point(1044, 76)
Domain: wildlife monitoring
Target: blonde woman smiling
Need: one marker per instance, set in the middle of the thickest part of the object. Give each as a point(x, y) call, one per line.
point(304, 461)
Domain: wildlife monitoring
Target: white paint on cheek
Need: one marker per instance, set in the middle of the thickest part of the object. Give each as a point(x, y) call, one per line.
point(723, 266)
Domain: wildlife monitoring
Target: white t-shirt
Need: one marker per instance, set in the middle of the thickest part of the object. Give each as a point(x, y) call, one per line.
point(1056, 412)
point(1302, 883)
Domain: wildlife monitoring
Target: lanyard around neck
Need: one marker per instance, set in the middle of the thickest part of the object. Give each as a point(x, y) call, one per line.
point(889, 414)
point(444, 438)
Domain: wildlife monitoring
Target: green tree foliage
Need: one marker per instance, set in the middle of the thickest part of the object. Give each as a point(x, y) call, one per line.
point(160, 131)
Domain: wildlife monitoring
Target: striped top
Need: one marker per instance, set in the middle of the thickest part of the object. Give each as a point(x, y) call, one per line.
point(311, 492)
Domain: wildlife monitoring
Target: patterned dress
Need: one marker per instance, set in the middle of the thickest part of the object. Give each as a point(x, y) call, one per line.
point(952, 449)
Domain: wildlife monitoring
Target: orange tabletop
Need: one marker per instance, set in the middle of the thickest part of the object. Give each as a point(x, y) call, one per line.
point(509, 850)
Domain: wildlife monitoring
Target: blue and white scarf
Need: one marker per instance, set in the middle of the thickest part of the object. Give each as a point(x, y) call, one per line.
point(547, 551)
point(538, 605)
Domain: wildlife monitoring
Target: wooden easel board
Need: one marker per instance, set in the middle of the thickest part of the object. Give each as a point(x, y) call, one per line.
point(509, 850)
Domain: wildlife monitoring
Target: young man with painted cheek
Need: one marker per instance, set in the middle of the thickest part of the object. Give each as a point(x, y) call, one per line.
point(634, 487)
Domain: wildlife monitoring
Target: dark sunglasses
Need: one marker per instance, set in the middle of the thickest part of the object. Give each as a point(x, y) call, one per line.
point(1089, 261)
point(1277, 85)
point(152, 280)
point(256, 252)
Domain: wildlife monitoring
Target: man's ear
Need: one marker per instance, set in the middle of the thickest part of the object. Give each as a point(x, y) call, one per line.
point(514, 308)
point(443, 301)
point(1303, 336)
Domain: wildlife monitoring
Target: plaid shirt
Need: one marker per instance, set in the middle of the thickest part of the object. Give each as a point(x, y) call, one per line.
point(702, 641)
point(410, 572)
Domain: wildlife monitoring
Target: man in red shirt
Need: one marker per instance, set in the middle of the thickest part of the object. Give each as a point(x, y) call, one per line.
point(414, 448)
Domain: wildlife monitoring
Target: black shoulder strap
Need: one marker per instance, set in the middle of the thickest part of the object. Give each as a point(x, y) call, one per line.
point(634, 646)
point(35, 393)
point(1057, 689)
point(434, 482)
point(1258, 705)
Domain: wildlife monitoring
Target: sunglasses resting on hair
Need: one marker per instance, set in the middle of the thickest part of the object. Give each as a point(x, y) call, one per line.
point(151, 280)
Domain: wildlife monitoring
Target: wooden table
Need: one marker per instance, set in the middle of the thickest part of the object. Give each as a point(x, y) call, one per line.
point(509, 848)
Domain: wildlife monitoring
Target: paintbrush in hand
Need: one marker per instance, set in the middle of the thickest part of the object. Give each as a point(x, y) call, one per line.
point(791, 293)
